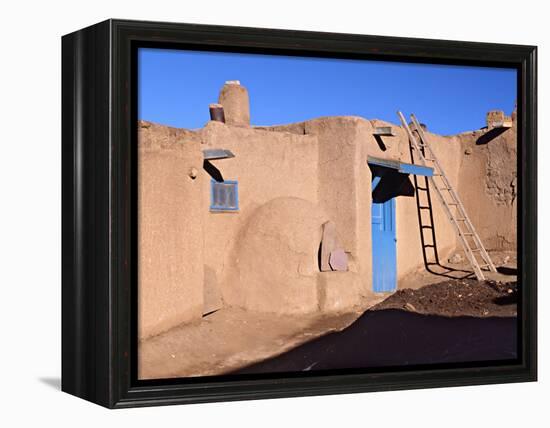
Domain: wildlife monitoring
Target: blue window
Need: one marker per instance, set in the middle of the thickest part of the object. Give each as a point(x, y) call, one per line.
point(224, 195)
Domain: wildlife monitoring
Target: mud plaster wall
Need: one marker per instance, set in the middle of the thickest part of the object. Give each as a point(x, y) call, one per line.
point(409, 248)
point(322, 161)
point(266, 165)
point(345, 188)
point(488, 185)
point(345, 182)
point(277, 257)
point(170, 229)
point(340, 182)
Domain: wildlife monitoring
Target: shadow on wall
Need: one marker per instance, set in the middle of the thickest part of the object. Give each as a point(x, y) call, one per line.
point(214, 172)
point(490, 135)
point(380, 143)
point(426, 223)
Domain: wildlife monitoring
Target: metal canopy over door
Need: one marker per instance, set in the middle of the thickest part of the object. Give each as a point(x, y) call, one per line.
point(384, 254)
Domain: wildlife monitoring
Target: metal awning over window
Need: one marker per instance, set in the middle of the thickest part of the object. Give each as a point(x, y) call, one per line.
point(212, 154)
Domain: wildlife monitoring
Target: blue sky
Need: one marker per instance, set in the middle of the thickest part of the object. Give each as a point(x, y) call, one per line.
point(175, 88)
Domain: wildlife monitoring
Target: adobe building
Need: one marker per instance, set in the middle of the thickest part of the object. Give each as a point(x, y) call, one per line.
point(316, 216)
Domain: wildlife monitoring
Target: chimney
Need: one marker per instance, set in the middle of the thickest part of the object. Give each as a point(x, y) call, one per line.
point(497, 119)
point(236, 106)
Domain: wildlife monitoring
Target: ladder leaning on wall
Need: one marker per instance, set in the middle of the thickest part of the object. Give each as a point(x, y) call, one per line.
point(473, 248)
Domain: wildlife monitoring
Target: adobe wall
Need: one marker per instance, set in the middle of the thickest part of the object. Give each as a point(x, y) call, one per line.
point(342, 177)
point(488, 185)
point(345, 188)
point(267, 166)
point(276, 255)
point(481, 167)
point(409, 247)
point(344, 185)
point(170, 229)
point(292, 179)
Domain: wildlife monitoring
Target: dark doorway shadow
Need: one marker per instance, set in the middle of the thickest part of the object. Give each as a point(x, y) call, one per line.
point(490, 135)
point(52, 382)
point(392, 184)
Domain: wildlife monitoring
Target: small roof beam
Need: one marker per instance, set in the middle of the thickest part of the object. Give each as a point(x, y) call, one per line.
point(211, 154)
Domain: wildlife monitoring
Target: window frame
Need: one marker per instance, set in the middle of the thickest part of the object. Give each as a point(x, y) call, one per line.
point(219, 208)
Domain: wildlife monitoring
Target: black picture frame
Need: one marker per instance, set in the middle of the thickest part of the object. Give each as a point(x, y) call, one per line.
point(99, 301)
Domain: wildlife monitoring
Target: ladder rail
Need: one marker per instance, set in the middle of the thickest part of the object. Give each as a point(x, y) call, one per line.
point(466, 245)
point(454, 194)
point(443, 177)
point(450, 215)
point(446, 181)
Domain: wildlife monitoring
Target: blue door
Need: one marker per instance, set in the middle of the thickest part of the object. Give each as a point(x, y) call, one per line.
point(384, 259)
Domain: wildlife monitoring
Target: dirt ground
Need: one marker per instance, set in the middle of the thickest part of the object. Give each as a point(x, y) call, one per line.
point(452, 290)
point(231, 339)
point(506, 262)
point(456, 297)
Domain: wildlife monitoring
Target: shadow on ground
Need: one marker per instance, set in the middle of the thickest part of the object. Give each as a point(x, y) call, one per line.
point(507, 270)
point(448, 272)
point(397, 338)
point(52, 382)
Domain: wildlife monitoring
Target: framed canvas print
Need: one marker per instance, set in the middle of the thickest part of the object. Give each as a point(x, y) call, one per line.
point(253, 213)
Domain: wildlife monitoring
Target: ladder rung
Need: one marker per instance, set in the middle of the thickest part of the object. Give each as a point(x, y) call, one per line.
point(460, 219)
point(422, 188)
point(427, 227)
point(424, 208)
point(467, 233)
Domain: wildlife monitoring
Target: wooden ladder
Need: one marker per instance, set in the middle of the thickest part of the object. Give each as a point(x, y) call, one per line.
point(473, 248)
